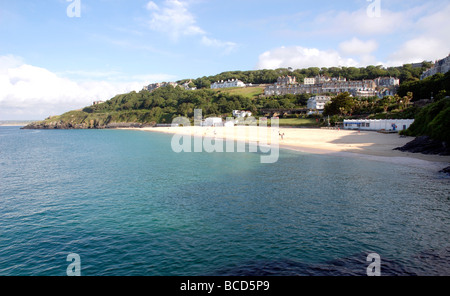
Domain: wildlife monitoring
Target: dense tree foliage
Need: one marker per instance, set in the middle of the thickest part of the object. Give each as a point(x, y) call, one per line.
point(340, 104)
point(164, 104)
point(433, 120)
point(436, 86)
point(404, 73)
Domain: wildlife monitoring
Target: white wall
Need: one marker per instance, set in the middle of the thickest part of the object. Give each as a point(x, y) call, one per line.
point(377, 124)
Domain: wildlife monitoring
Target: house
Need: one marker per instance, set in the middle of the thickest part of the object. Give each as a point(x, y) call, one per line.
point(154, 86)
point(364, 92)
point(227, 84)
point(336, 85)
point(187, 87)
point(97, 102)
point(441, 66)
point(320, 79)
point(241, 114)
point(394, 125)
point(286, 80)
point(387, 81)
point(318, 102)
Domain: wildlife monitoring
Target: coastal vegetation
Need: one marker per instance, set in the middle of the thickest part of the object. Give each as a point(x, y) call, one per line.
point(407, 72)
point(161, 106)
point(436, 87)
point(432, 120)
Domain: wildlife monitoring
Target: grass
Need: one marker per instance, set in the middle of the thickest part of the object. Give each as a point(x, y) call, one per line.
point(304, 122)
point(249, 92)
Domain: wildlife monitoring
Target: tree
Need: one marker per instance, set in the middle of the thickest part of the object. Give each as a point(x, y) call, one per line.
point(340, 104)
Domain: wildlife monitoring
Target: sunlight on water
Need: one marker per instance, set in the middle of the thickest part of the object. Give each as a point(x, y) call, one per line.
point(128, 205)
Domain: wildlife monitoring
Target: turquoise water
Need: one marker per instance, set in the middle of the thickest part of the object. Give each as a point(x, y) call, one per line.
point(128, 205)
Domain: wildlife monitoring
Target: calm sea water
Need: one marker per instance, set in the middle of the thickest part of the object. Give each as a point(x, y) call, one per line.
point(128, 205)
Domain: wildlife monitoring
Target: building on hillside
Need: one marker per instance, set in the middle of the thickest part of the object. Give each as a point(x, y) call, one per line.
point(241, 114)
point(227, 84)
point(319, 79)
point(97, 102)
point(347, 86)
point(323, 84)
point(187, 87)
point(318, 102)
point(309, 81)
point(154, 86)
point(393, 125)
point(364, 92)
point(441, 66)
point(387, 81)
point(286, 80)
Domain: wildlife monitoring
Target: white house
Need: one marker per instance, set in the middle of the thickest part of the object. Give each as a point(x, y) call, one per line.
point(387, 81)
point(239, 113)
point(364, 92)
point(318, 102)
point(309, 80)
point(187, 87)
point(378, 124)
point(227, 84)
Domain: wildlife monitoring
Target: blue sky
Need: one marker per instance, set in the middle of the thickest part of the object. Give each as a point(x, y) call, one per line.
point(51, 63)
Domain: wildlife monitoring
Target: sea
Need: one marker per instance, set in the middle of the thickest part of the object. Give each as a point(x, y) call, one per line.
point(126, 204)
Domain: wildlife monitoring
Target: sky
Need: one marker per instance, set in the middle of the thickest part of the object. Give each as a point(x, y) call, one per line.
point(61, 55)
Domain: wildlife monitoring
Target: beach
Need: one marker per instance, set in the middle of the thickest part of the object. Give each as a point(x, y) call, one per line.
point(318, 141)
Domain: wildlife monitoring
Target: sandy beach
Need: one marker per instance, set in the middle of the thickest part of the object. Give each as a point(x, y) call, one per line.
point(312, 140)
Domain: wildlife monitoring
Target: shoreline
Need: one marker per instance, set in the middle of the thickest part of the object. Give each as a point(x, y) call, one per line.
point(366, 144)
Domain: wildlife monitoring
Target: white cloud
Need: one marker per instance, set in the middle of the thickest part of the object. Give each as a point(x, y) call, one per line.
point(152, 6)
point(363, 50)
point(432, 40)
point(359, 23)
point(173, 19)
point(29, 92)
point(356, 46)
point(9, 61)
point(227, 46)
point(419, 32)
point(301, 57)
point(420, 49)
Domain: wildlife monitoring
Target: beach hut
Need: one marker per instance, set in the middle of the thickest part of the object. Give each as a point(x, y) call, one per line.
point(393, 125)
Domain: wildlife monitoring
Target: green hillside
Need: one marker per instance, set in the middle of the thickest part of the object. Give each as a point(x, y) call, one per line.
point(162, 105)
